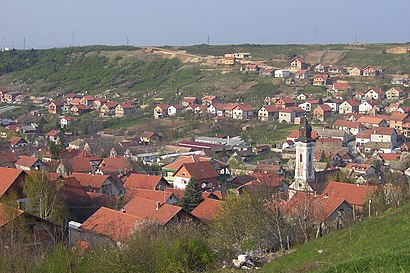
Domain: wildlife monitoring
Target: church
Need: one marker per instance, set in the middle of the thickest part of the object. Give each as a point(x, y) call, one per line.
point(306, 179)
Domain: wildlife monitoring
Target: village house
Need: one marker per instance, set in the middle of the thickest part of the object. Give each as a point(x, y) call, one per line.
point(55, 107)
point(321, 68)
point(174, 110)
point(397, 120)
point(22, 98)
point(87, 100)
point(186, 101)
point(298, 64)
point(203, 172)
point(268, 112)
point(267, 72)
point(123, 109)
point(208, 100)
point(250, 68)
point(27, 163)
point(66, 121)
point(372, 121)
point(349, 126)
point(74, 165)
point(374, 94)
point(309, 105)
point(150, 137)
point(322, 112)
point(355, 71)
point(301, 74)
point(284, 103)
point(384, 134)
point(333, 103)
point(98, 103)
point(55, 136)
point(79, 109)
point(321, 79)
point(339, 87)
point(372, 71)
point(395, 93)
point(16, 141)
point(302, 96)
point(229, 60)
point(161, 111)
point(369, 107)
point(146, 181)
point(349, 106)
point(11, 96)
point(108, 108)
point(243, 112)
point(114, 165)
point(282, 73)
point(333, 69)
point(228, 109)
point(216, 109)
point(207, 209)
point(105, 184)
point(363, 138)
point(287, 115)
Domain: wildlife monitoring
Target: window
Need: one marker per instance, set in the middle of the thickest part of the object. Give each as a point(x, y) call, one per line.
point(300, 158)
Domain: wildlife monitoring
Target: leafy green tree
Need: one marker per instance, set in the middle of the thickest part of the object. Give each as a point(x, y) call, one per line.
point(45, 197)
point(54, 150)
point(192, 197)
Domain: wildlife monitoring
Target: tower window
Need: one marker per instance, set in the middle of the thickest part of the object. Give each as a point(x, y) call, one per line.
point(300, 157)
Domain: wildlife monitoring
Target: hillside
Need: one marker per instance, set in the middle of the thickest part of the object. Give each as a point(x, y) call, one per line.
point(381, 244)
point(168, 73)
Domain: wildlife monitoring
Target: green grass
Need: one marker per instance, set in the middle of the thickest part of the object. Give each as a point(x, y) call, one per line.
point(380, 244)
point(268, 132)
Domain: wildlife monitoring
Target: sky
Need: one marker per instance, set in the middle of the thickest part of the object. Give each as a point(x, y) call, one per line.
point(52, 23)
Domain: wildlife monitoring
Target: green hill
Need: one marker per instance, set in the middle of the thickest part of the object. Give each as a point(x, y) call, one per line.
point(134, 72)
point(380, 244)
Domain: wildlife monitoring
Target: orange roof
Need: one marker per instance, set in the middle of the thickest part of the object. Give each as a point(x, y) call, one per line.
point(77, 165)
point(178, 193)
point(324, 107)
point(7, 177)
point(245, 107)
point(355, 194)
point(26, 161)
point(199, 170)
point(158, 196)
point(207, 209)
point(230, 106)
point(389, 157)
point(151, 210)
point(114, 224)
point(163, 106)
point(185, 159)
point(365, 134)
point(361, 167)
point(383, 130)
point(147, 134)
point(90, 182)
point(347, 124)
point(397, 116)
point(8, 213)
point(114, 164)
point(370, 119)
point(53, 133)
point(270, 108)
point(15, 140)
point(353, 103)
point(142, 181)
point(341, 85)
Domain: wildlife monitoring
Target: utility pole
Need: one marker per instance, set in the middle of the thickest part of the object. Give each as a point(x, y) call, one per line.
point(24, 43)
point(128, 41)
point(209, 39)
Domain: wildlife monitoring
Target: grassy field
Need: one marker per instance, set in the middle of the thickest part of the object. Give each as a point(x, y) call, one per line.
point(380, 244)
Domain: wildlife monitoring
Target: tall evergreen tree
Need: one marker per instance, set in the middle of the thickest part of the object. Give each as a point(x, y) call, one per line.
point(192, 197)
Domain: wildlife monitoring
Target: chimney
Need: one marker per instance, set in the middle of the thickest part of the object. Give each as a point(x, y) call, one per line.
point(158, 205)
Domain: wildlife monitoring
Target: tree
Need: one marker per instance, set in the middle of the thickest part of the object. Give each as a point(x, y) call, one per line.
point(54, 150)
point(45, 197)
point(192, 196)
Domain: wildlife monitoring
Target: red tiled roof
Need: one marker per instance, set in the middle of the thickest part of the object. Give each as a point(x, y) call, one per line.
point(90, 182)
point(199, 170)
point(365, 134)
point(185, 159)
point(355, 194)
point(341, 85)
point(114, 224)
point(244, 107)
point(7, 177)
point(178, 193)
point(26, 161)
point(397, 116)
point(111, 104)
point(270, 108)
point(15, 140)
point(53, 133)
point(324, 107)
point(370, 119)
point(363, 167)
point(77, 165)
point(142, 181)
point(389, 157)
point(151, 210)
point(347, 124)
point(189, 99)
point(383, 130)
point(207, 209)
point(8, 157)
point(147, 135)
point(114, 164)
point(376, 90)
point(158, 196)
point(163, 106)
point(353, 103)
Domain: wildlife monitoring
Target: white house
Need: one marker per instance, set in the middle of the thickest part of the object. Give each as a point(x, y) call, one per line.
point(281, 73)
point(287, 115)
point(243, 112)
point(384, 134)
point(216, 109)
point(367, 106)
point(268, 112)
point(174, 110)
point(374, 94)
point(307, 106)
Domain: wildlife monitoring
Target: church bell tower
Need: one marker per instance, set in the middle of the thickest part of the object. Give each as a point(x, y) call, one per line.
point(305, 149)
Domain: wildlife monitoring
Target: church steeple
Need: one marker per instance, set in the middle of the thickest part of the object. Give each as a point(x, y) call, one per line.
point(305, 132)
point(305, 149)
